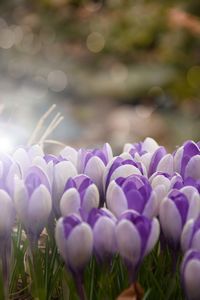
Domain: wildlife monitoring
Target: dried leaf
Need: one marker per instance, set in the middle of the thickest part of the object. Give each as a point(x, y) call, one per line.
point(134, 292)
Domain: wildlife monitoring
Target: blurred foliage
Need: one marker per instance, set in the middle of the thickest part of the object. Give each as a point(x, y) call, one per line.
point(161, 36)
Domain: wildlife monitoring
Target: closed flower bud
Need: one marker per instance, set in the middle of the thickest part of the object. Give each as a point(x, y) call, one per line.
point(93, 163)
point(187, 160)
point(136, 236)
point(190, 237)
point(7, 214)
point(80, 196)
point(190, 274)
point(75, 241)
point(121, 167)
point(133, 192)
point(103, 225)
point(178, 207)
point(33, 200)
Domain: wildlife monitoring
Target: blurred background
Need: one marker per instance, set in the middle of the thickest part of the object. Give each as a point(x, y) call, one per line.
point(117, 70)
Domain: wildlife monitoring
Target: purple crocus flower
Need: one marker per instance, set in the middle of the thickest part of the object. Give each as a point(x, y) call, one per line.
point(103, 223)
point(59, 171)
point(190, 237)
point(162, 183)
point(74, 240)
point(7, 214)
point(175, 210)
point(187, 160)
point(93, 163)
point(121, 167)
point(153, 156)
point(133, 192)
point(190, 274)
point(80, 196)
point(32, 197)
point(25, 157)
point(8, 170)
point(70, 154)
point(136, 236)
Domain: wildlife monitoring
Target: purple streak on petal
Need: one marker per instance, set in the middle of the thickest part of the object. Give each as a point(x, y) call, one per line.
point(181, 203)
point(119, 161)
point(158, 154)
point(190, 149)
point(135, 201)
point(69, 223)
point(142, 224)
point(55, 159)
point(99, 153)
point(70, 184)
point(34, 178)
point(95, 214)
point(192, 254)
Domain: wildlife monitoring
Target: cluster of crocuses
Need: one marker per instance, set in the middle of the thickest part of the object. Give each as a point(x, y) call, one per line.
point(105, 205)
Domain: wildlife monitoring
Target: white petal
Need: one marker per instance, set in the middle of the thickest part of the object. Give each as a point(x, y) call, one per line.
point(152, 206)
point(127, 147)
point(150, 145)
point(70, 154)
point(196, 241)
point(70, 202)
point(34, 151)
point(146, 160)
point(22, 158)
point(60, 239)
point(153, 237)
point(124, 171)
point(109, 151)
point(177, 159)
point(194, 201)
point(128, 241)
point(115, 199)
point(193, 167)
point(104, 236)
point(39, 209)
point(95, 169)
point(91, 198)
point(186, 235)
point(62, 172)
point(7, 213)
point(79, 246)
point(166, 164)
point(170, 220)
point(192, 279)
point(20, 199)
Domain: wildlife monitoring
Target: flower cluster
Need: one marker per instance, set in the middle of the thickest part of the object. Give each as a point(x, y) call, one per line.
point(106, 206)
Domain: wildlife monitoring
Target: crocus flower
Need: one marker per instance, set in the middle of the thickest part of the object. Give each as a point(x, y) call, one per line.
point(7, 214)
point(24, 157)
point(175, 210)
point(121, 166)
point(103, 223)
point(162, 183)
point(187, 160)
point(190, 237)
point(80, 196)
point(190, 274)
point(93, 163)
point(60, 171)
point(33, 202)
point(8, 170)
point(136, 236)
point(74, 239)
point(133, 192)
point(70, 154)
point(153, 156)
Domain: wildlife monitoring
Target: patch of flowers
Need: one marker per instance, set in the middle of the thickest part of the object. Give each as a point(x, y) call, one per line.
point(86, 224)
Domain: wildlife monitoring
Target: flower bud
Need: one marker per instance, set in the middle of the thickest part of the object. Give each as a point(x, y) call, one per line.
point(74, 240)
